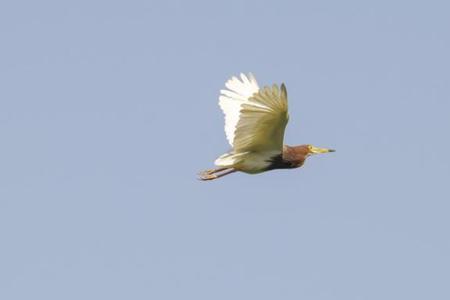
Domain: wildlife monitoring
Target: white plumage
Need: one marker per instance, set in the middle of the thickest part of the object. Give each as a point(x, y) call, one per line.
point(255, 120)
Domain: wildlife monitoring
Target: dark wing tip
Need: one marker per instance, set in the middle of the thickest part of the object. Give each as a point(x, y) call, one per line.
point(283, 90)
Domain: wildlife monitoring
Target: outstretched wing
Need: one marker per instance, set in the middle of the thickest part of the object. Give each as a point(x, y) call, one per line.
point(255, 118)
point(232, 99)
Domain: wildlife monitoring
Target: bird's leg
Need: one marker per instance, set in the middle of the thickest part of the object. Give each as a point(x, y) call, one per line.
point(214, 175)
point(212, 171)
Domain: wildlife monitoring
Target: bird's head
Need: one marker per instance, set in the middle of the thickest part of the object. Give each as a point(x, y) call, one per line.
point(316, 150)
point(298, 154)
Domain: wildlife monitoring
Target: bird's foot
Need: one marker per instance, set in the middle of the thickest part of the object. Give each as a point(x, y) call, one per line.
point(207, 172)
point(207, 176)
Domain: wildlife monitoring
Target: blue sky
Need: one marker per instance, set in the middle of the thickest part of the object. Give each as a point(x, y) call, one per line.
point(109, 108)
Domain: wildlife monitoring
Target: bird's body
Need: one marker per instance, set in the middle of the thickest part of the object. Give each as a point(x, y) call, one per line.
point(255, 120)
point(248, 162)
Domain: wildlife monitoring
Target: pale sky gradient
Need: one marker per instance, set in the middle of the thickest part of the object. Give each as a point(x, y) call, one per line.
point(109, 108)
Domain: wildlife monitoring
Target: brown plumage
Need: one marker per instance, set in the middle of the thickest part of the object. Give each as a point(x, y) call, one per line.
point(292, 157)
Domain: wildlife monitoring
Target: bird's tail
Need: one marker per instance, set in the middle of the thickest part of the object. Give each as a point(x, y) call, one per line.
point(230, 159)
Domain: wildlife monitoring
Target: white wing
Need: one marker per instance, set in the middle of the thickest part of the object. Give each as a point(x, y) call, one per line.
point(254, 119)
point(232, 99)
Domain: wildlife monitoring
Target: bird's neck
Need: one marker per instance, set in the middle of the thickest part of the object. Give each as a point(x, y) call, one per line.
point(296, 155)
point(278, 162)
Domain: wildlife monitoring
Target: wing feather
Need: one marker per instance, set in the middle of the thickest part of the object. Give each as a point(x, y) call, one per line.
point(255, 119)
point(232, 99)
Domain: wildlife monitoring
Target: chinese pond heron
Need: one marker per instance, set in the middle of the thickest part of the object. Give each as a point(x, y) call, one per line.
point(255, 119)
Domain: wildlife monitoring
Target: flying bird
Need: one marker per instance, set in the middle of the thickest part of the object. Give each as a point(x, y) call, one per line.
point(255, 120)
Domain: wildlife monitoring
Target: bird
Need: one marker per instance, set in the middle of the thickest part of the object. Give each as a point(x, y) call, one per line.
point(255, 121)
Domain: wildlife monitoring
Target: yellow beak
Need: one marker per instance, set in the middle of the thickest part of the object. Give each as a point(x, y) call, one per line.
point(317, 150)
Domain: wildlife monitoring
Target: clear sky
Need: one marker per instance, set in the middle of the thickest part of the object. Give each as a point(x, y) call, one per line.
point(109, 108)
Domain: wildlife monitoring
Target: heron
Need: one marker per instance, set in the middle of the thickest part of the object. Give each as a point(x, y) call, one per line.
point(255, 121)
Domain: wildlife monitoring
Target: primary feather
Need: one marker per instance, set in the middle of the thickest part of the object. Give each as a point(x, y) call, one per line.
point(232, 99)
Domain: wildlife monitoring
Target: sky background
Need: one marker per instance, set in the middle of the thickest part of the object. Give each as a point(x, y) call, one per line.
point(108, 109)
